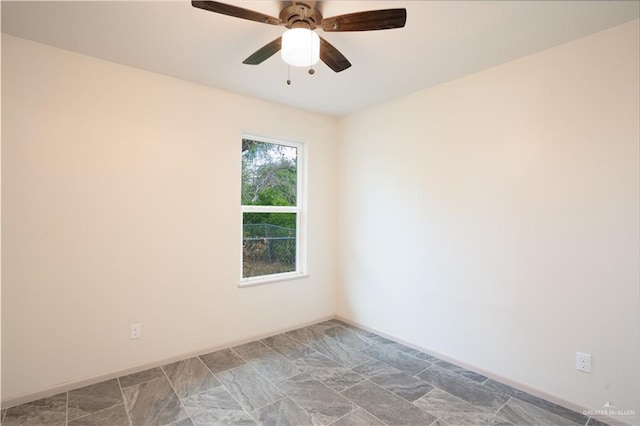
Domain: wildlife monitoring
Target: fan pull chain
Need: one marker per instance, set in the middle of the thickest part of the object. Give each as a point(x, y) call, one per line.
point(311, 70)
point(288, 75)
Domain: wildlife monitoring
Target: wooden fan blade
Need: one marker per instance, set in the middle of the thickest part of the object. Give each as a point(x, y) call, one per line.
point(236, 12)
point(264, 52)
point(367, 21)
point(332, 56)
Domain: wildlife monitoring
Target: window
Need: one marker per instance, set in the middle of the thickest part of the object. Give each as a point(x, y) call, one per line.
point(272, 211)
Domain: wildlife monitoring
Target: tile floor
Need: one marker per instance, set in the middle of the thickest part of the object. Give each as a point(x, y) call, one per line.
point(329, 373)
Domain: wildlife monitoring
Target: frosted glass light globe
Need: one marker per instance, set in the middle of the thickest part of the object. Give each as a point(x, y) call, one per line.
point(300, 47)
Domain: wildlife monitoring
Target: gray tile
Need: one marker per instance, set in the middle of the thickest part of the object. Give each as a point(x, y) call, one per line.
point(464, 388)
point(338, 379)
point(282, 413)
point(358, 417)
point(328, 372)
point(306, 335)
point(324, 326)
point(182, 422)
point(374, 368)
point(252, 350)
point(521, 413)
point(153, 402)
point(189, 377)
point(314, 361)
point(249, 388)
point(273, 366)
point(216, 407)
point(468, 419)
point(397, 359)
point(342, 354)
point(347, 337)
point(402, 385)
point(462, 371)
point(311, 398)
point(114, 416)
point(372, 338)
point(499, 421)
point(323, 404)
point(386, 406)
point(595, 422)
point(438, 401)
point(368, 337)
point(452, 410)
point(222, 360)
point(93, 398)
point(287, 346)
point(142, 376)
point(402, 348)
point(49, 411)
point(538, 402)
point(426, 357)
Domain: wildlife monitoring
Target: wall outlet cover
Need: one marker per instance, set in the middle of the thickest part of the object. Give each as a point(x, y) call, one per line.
point(583, 362)
point(135, 330)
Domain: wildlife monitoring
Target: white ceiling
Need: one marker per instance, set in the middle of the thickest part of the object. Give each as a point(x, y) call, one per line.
point(442, 40)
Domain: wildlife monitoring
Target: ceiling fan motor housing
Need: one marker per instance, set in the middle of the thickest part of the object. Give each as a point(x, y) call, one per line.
point(299, 15)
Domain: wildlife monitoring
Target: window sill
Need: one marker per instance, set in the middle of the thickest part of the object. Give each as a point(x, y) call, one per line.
point(250, 282)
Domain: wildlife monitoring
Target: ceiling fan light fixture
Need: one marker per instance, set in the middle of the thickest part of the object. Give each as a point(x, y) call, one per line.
point(300, 47)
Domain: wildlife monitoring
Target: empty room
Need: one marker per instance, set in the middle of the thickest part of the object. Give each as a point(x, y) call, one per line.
point(345, 213)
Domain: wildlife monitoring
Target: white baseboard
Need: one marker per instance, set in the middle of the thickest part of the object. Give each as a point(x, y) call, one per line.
point(491, 375)
point(65, 387)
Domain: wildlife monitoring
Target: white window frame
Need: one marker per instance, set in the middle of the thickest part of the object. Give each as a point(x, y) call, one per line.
point(301, 217)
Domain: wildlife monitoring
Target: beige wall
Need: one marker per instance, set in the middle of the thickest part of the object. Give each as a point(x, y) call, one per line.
point(121, 204)
point(495, 219)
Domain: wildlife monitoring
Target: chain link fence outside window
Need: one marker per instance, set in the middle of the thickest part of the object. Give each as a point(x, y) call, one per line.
point(268, 249)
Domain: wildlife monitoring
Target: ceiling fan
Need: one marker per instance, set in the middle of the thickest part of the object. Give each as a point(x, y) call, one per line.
point(306, 16)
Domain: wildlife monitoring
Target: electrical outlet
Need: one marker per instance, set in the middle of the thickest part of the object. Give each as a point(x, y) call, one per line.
point(583, 362)
point(135, 330)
